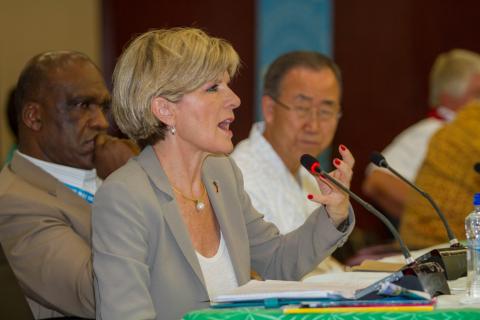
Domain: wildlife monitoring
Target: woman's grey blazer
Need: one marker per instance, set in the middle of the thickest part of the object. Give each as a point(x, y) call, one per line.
point(145, 266)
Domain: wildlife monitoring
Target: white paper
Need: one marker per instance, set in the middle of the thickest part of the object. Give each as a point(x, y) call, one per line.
point(348, 280)
point(340, 285)
point(259, 290)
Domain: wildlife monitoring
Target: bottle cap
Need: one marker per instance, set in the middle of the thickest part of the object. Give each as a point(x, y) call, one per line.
point(476, 199)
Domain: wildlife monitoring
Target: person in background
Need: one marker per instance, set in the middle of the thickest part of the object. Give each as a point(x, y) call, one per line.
point(47, 188)
point(454, 81)
point(174, 227)
point(301, 108)
point(449, 177)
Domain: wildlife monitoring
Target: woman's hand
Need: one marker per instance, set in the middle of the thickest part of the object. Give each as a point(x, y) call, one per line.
point(335, 200)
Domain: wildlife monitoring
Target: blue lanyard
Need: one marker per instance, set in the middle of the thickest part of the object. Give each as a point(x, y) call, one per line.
point(87, 196)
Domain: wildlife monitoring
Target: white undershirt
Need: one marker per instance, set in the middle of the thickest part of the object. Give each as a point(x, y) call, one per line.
point(83, 179)
point(218, 271)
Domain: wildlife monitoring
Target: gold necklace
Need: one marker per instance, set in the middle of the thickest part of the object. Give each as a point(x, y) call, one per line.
point(199, 204)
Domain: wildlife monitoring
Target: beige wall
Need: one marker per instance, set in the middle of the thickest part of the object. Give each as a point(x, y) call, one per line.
point(28, 27)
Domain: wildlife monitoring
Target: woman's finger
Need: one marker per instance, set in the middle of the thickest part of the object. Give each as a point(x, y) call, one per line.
point(324, 185)
point(343, 171)
point(346, 155)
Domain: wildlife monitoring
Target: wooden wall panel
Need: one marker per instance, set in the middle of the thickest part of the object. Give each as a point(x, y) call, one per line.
point(385, 50)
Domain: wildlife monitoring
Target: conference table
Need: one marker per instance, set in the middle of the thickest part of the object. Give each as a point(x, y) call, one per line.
point(262, 313)
point(448, 307)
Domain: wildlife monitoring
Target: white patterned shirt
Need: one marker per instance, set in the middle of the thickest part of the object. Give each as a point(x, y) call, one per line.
point(274, 191)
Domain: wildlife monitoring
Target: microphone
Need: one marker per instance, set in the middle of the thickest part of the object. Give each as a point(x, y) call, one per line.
point(453, 259)
point(378, 159)
point(476, 167)
point(313, 166)
point(425, 276)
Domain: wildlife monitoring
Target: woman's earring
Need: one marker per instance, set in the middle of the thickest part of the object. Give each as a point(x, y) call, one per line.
point(173, 130)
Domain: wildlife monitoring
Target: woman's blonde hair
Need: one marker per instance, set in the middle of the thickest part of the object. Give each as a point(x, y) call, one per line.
point(164, 63)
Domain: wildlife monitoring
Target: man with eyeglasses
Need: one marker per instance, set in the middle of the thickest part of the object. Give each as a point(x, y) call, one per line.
point(301, 108)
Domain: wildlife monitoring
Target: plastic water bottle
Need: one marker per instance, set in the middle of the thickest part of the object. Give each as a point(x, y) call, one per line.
point(472, 229)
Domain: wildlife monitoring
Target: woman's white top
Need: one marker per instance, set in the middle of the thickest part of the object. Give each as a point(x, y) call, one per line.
point(218, 271)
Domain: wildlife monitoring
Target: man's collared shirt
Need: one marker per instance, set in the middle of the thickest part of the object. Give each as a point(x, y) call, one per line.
point(80, 181)
point(264, 171)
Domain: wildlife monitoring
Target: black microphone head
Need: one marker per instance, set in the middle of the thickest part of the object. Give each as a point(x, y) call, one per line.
point(378, 159)
point(476, 167)
point(310, 163)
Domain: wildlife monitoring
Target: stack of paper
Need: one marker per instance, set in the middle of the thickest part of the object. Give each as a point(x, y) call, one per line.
point(377, 266)
point(324, 288)
point(273, 289)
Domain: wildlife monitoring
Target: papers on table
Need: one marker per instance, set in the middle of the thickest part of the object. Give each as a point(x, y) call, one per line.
point(274, 289)
point(349, 280)
point(332, 286)
point(392, 263)
point(377, 266)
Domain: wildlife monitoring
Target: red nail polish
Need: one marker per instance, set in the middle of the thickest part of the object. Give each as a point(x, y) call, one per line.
point(342, 147)
point(337, 162)
point(310, 197)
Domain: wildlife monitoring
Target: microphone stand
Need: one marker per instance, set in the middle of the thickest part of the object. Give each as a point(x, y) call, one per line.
point(452, 259)
point(406, 253)
point(418, 275)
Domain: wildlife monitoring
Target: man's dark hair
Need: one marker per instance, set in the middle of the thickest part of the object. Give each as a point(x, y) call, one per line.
point(307, 59)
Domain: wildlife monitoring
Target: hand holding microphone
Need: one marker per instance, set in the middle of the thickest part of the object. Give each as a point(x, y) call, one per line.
point(336, 201)
point(312, 165)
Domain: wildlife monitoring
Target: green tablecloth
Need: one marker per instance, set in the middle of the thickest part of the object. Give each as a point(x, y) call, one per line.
point(261, 313)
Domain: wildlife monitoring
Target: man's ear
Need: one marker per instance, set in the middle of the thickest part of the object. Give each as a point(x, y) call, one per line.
point(268, 106)
point(162, 109)
point(31, 115)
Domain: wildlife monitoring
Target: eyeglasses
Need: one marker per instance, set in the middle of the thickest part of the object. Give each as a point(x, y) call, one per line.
point(306, 112)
